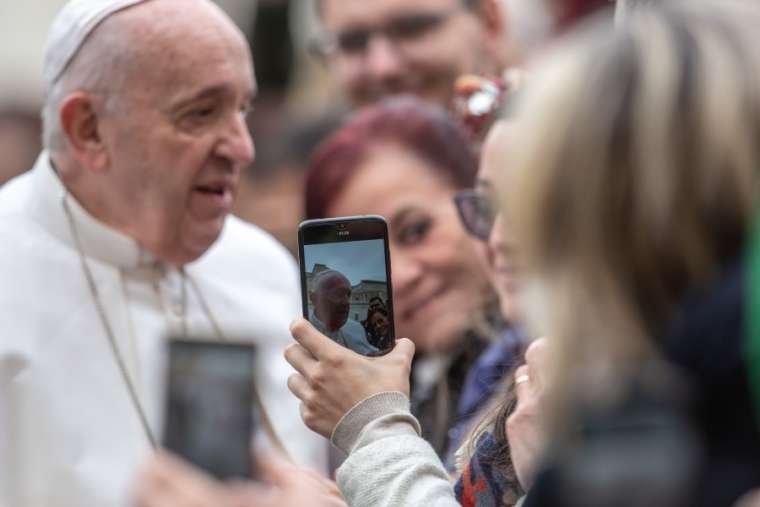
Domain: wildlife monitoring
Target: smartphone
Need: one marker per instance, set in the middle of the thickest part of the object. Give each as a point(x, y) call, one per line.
point(346, 281)
point(210, 414)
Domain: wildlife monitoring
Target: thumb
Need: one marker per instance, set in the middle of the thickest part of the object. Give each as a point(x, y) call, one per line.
point(406, 346)
point(312, 340)
point(403, 352)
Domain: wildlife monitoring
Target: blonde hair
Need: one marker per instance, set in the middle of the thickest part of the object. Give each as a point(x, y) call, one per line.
point(634, 177)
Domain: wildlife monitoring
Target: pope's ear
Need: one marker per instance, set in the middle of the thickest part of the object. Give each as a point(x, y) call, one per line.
point(81, 128)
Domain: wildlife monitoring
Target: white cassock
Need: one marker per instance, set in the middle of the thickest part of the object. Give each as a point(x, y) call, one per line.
point(351, 335)
point(69, 434)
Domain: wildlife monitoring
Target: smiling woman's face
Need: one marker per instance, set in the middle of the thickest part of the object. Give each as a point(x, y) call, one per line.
point(379, 323)
point(438, 284)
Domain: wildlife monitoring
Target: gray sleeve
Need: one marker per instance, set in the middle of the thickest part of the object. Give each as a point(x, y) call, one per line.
point(389, 464)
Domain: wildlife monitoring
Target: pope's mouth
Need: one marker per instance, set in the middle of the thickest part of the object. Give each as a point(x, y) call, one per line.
point(212, 200)
point(212, 190)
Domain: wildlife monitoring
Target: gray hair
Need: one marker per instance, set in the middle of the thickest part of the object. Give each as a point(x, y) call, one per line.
point(320, 278)
point(100, 66)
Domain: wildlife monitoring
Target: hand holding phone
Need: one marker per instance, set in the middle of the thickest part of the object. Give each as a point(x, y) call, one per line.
point(331, 380)
point(345, 281)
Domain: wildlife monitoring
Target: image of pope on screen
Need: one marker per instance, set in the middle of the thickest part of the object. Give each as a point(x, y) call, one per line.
point(348, 293)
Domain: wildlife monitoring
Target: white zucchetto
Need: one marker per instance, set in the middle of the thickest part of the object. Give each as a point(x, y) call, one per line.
point(70, 28)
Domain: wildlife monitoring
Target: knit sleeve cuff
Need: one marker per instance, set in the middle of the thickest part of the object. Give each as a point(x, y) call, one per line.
point(348, 430)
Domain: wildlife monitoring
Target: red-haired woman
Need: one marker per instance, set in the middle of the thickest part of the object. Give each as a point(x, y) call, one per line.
point(405, 160)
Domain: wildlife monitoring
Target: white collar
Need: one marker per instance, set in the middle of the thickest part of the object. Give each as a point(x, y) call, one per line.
point(322, 328)
point(99, 241)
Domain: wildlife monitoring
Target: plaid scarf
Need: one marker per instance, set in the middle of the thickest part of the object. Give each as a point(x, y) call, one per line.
point(484, 485)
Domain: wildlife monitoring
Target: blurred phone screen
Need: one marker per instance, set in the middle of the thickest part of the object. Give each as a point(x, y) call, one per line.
point(210, 414)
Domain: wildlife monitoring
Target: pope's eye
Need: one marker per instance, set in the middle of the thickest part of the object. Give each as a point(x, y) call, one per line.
point(203, 112)
point(200, 115)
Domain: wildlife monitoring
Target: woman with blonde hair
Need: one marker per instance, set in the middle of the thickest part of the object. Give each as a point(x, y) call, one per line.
point(632, 208)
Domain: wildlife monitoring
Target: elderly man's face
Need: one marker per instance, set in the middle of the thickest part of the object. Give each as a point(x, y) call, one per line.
point(385, 47)
point(332, 301)
point(179, 141)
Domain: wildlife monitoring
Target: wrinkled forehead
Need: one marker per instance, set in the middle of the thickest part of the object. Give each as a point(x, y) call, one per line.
point(183, 25)
point(181, 45)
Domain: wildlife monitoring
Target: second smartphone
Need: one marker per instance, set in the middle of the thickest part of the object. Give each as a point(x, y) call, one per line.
point(346, 281)
point(210, 413)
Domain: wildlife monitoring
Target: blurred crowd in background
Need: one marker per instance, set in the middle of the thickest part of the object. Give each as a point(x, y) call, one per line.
point(634, 261)
point(302, 95)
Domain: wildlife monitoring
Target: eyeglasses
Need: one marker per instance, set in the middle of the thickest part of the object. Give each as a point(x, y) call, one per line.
point(400, 30)
point(477, 212)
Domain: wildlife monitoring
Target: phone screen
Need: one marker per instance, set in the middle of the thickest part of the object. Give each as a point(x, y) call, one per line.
point(210, 409)
point(345, 281)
